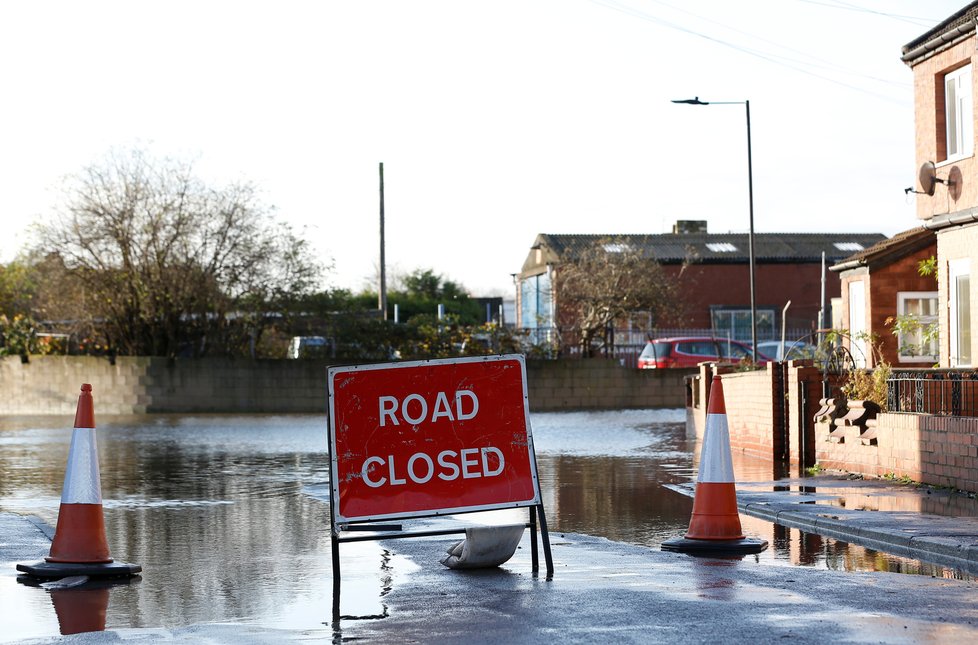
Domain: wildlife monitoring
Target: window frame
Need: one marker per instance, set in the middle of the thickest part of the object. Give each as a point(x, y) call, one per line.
point(959, 317)
point(767, 319)
point(902, 298)
point(958, 114)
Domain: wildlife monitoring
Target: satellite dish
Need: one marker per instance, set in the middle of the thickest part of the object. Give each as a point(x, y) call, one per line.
point(927, 177)
point(955, 181)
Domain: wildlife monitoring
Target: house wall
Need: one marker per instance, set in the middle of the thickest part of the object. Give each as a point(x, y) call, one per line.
point(940, 451)
point(901, 275)
point(930, 142)
point(774, 285)
point(882, 283)
point(131, 385)
point(955, 244)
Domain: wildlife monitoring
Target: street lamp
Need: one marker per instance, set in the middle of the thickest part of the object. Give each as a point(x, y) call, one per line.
point(750, 193)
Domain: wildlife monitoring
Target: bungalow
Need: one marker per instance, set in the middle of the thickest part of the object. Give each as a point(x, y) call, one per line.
point(713, 270)
point(882, 285)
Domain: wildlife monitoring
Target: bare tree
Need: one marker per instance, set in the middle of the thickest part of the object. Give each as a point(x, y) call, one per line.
point(609, 281)
point(166, 264)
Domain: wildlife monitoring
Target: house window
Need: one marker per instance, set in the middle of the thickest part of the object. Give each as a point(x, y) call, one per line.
point(959, 312)
point(858, 346)
point(536, 307)
point(735, 323)
point(958, 113)
point(918, 344)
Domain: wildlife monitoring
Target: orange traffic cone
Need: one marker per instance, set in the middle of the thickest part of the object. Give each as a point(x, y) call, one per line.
point(79, 547)
point(715, 523)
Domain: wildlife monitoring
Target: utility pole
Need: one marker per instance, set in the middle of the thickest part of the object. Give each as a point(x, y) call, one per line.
point(382, 295)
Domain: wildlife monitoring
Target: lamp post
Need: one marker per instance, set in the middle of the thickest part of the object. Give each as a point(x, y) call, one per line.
point(750, 195)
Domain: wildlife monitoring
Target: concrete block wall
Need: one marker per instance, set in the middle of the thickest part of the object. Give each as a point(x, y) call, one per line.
point(599, 384)
point(135, 385)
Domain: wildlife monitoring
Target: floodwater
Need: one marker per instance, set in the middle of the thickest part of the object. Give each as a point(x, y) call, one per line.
point(228, 515)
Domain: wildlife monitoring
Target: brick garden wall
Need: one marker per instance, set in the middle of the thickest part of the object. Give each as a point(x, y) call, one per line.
point(752, 411)
point(941, 451)
point(769, 414)
point(131, 385)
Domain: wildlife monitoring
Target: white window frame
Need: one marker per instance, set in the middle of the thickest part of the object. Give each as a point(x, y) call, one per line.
point(858, 347)
point(957, 269)
point(959, 114)
point(902, 298)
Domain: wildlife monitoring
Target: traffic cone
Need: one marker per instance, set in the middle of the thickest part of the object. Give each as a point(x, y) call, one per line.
point(79, 547)
point(715, 523)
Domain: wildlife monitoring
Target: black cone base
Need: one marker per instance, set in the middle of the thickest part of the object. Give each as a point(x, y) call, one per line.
point(715, 547)
point(44, 569)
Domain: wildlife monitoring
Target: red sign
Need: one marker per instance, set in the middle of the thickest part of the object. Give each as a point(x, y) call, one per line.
point(427, 438)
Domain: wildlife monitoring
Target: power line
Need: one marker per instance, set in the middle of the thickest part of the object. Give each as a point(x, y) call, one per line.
point(838, 4)
point(816, 62)
point(769, 57)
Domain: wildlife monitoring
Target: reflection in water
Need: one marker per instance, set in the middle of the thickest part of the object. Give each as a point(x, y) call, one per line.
point(229, 515)
point(80, 610)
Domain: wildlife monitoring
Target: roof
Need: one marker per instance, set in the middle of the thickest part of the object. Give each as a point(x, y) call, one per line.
point(720, 248)
point(890, 250)
point(959, 25)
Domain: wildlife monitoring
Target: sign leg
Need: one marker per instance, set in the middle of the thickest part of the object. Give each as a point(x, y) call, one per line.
point(336, 581)
point(534, 555)
point(546, 543)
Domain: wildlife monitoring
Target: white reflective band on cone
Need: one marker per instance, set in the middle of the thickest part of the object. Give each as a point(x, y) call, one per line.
point(82, 477)
point(716, 465)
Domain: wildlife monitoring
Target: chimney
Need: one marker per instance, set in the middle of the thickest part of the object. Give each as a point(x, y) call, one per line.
point(686, 226)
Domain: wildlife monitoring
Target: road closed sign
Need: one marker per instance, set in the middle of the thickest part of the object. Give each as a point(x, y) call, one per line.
point(425, 438)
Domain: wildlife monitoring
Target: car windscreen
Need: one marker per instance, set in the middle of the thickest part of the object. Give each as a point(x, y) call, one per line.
point(661, 349)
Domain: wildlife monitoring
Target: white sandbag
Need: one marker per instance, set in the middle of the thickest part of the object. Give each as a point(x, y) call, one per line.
point(484, 546)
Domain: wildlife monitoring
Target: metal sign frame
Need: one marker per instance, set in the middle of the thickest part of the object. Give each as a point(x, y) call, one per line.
point(341, 525)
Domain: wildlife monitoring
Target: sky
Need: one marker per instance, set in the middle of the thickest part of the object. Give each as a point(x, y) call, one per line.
point(495, 121)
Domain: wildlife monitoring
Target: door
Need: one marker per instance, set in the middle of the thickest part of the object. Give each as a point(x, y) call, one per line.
point(959, 312)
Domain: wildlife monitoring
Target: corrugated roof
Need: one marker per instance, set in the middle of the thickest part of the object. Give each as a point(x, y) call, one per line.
point(723, 247)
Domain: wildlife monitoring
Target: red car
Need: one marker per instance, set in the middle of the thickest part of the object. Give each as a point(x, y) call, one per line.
point(690, 351)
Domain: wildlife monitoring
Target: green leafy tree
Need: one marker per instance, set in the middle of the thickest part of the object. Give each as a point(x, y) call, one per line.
point(18, 287)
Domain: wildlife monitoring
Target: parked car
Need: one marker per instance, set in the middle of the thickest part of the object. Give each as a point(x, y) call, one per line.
point(690, 351)
point(771, 350)
point(309, 346)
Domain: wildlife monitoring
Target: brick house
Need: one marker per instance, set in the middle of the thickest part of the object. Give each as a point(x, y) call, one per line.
point(942, 61)
point(716, 279)
point(881, 283)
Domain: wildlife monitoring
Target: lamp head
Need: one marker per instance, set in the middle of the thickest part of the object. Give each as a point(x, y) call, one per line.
point(693, 101)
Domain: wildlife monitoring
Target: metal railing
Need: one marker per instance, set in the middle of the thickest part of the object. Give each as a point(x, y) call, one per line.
point(942, 392)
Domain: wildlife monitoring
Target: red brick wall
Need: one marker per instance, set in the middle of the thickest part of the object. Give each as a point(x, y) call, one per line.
point(941, 451)
point(886, 282)
point(775, 284)
point(930, 142)
point(882, 285)
point(751, 412)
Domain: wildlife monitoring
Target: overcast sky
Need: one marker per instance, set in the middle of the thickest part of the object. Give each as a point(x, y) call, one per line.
point(495, 120)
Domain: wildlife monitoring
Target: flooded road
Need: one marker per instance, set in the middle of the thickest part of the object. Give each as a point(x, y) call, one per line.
point(228, 515)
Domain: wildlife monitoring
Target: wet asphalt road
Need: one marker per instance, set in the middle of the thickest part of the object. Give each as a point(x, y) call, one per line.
point(604, 591)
